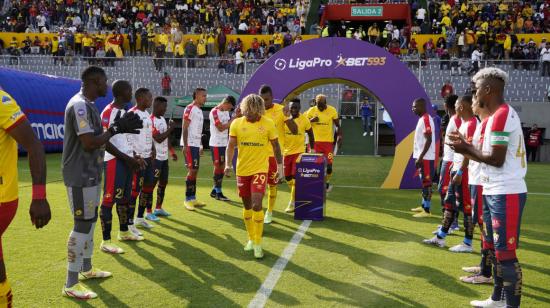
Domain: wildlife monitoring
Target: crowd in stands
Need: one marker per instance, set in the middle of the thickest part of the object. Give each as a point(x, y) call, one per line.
point(125, 16)
point(468, 33)
point(154, 28)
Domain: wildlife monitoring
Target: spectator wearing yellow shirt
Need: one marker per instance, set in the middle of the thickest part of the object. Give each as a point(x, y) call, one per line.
point(485, 26)
point(446, 20)
point(179, 50)
point(373, 33)
point(445, 8)
point(519, 24)
point(507, 46)
point(527, 11)
point(277, 40)
point(503, 9)
point(55, 45)
point(211, 44)
point(201, 53)
point(78, 43)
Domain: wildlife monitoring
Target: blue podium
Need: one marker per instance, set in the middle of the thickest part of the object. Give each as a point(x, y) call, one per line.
point(310, 195)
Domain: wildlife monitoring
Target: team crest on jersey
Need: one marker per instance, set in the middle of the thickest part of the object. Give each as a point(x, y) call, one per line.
point(6, 100)
point(261, 130)
point(512, 240)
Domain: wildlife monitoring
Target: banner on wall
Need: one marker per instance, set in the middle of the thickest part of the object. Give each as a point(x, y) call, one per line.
point(43, 99)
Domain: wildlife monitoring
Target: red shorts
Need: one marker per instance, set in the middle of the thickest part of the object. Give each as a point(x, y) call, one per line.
point(7, 212)
point(272, 172)
point(251, 184)
point(325, 148)
point(290, 164)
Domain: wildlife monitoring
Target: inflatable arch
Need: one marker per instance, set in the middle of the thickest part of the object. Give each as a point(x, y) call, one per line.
point(359, 64)
point(43, 99)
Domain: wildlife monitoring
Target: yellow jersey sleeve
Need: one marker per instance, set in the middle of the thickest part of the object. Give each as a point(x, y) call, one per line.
point(10, 116)
point(10, 113)
point(305, 122)
point(234, 127)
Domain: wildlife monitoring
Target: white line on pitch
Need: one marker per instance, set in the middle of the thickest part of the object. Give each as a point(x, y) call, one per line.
point(267, 287)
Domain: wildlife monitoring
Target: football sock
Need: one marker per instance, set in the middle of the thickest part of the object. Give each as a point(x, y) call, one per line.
point(122, 212)
point(258, 218)
point(160, 196)
point(271, 197)
point(106, 217)
point(190, 185)
point(248, 223)
point(512, 281)
point(292, 185)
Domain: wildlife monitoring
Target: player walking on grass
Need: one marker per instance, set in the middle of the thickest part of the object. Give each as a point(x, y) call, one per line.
point(323, 119)
point(447, 161)
point(503, 169)
point(276, 113)
point(119, 165)
point(424, 154)
point(253, 134)
point(191, 142)
point(82, 167)
point(220, 120)
point(296, 127)
point(482, 273)
point(458, 194)
point(16, 129)
point(143, 180)
point(161, 136)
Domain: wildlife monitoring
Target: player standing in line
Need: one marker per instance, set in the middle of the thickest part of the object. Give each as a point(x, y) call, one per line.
point(503, 169)
point(82, 167)
point(16, 129)
point(253, 134)
point(458, 194)
point(191, 142)
point(296, 128)
point(220, 120)
point(447, 161)
point(161, 136)
point(119, 165)
point(482, 273)
point(143, 180)
point(275, 112)
point(324, 118)
point(424, 154)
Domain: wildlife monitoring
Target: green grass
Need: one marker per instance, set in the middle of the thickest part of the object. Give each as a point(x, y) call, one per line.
point(368, 251)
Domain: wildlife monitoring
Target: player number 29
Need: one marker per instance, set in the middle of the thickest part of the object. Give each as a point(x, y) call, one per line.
point(258, 179)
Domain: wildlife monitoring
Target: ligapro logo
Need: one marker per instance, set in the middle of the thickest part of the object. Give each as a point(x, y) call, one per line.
point(340, 61)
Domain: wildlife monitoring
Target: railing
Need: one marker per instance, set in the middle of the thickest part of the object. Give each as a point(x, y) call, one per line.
point(526, 83)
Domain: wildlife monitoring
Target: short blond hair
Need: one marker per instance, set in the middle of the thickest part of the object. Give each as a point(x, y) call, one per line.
point(491, 72)
point(252, 106)
point(320, 97)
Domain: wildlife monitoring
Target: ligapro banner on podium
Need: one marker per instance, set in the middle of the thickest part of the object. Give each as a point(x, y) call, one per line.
point(43, 99)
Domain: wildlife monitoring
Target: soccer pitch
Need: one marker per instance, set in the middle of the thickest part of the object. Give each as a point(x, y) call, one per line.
point(367, 252)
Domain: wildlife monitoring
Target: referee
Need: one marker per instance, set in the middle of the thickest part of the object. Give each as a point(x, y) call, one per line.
point(83, 149)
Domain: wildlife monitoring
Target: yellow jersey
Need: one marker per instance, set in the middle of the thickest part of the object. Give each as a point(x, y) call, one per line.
point(10, 116)
point(276, 114)
point(252, 142)
point(294, 143)
point(87, 41)
point(323, 130)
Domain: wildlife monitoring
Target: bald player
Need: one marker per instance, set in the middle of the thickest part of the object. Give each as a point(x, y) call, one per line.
point(324, 119)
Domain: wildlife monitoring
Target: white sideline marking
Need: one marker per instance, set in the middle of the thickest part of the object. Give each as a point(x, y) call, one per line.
point(267, 287)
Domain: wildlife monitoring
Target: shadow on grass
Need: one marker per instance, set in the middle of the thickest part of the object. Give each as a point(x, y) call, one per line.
point(372, 261)
point(104, 295)
point(210, 271)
